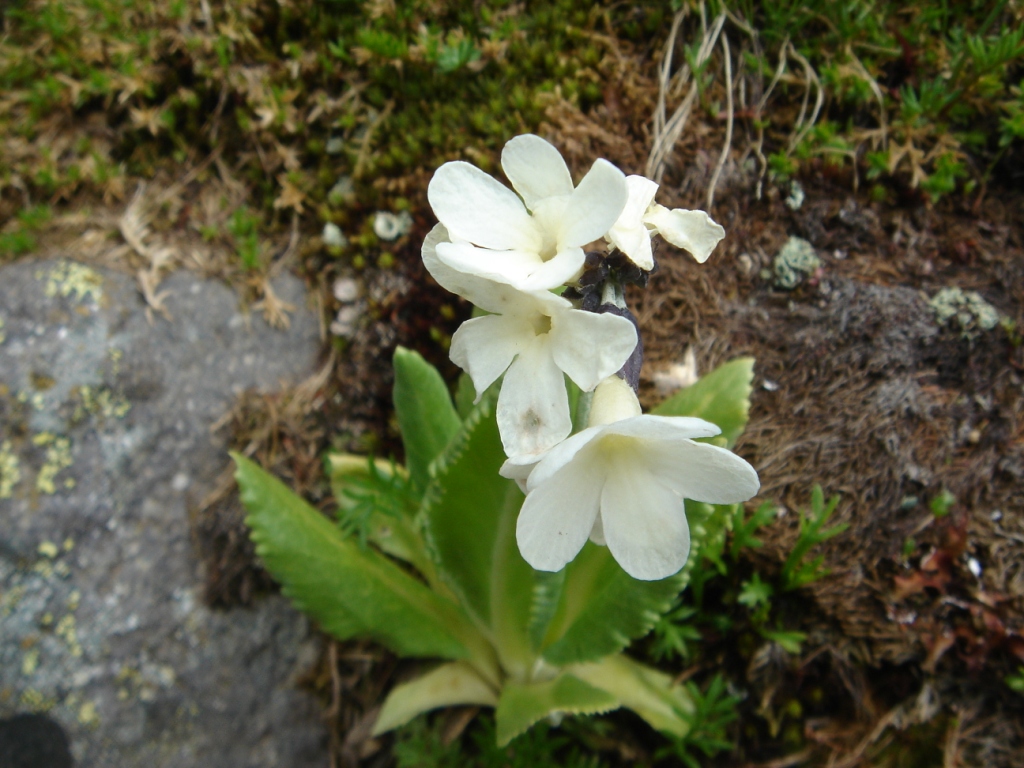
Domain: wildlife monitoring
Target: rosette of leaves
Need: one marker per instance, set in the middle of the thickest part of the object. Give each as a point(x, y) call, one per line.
point(423, 560)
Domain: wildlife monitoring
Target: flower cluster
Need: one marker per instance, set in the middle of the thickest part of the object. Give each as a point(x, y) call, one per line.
point(621, 480)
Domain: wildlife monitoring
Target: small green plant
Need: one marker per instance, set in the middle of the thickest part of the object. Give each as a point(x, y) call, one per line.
point(714, 710)
point(21, 237)
point(942, 504)
point(1015, 682)
point(243, 227)
point(796, 572)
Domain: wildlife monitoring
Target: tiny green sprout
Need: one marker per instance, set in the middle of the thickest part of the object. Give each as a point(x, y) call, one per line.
point(795, 572)
point(714, 710)
point(790, 640)
point(909, 547)
point(942, 504)
point(1015, 682)
point(743, 530)
point(754, 592)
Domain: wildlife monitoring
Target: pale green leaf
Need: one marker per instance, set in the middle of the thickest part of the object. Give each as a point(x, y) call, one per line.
point(426, 416)
point(645, 690)
point(449, 685)
point(350, 591)
point(602, 608)
point(470, 516)
point(523, 704)
point(721, 397)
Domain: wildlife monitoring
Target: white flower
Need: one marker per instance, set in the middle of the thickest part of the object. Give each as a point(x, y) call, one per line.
point(622, 481)
point(532, 240)
point(535, 336)
point(693, 231)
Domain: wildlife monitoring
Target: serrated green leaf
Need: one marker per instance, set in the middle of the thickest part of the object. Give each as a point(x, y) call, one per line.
point(449, 685)
point(523, 704)
point(426, 416)
point(721, 397)
point(602, 608)
point(470, 517)
point(350, 591)
point(648, 692)
point(547, 593)
point(465, 395)
point(390, 525)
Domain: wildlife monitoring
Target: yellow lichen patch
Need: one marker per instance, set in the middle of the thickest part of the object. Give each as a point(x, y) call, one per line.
point(87, 714)
point(68, 544)
point(115, 360)
point(47, 549)
point(34, 701)
point(67, 630)
point(3, 336)
point(10, 473)
point(58, 457)
point(100, 402)
point(73, 280)
point(10, 599)
point(30, 662)
point(73, 600)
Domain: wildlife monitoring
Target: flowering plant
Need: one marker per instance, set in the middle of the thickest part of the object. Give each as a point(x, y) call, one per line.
point(535, 531)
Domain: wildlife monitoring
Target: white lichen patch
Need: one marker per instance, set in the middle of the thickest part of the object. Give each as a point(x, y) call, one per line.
point(10, 471)
point(72, 280)
point(390, 226)
point(794, 262)
point(57, 459)
point(971, 312)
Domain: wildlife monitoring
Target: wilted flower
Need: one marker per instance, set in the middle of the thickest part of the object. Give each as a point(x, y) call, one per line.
point(642, 218)
point(536, 336)
point(532, 240)
point(622, 482)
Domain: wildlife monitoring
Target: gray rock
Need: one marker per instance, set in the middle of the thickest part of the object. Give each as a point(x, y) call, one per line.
point(104, 440)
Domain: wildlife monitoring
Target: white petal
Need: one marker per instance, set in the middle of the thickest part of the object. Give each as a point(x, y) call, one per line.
point(629, 233)
point(533, 407)
point(536, 169)
point(490, 295)
point(509, 267)
point(485, 346)
point(556, 458)
point(558, 516)
point(518, 468)
point(478, 208)
point(453, 280)
point(590, 347)
point(664, 427)
point(635, 242)
point(594, 206)
point(699, 471)
point(693, 231)
point(562, 268)
point(644, 524)
point(640, 191)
